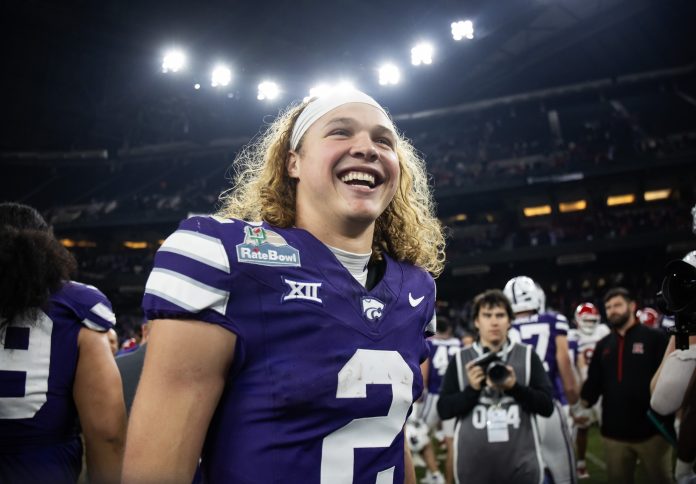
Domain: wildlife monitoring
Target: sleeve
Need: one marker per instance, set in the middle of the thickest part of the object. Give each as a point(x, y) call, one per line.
point(431, 326)
point(591, 389)
point(453, 402)
point(560, 325)
point(191, 275)
point(537, 397)
point(92, 308)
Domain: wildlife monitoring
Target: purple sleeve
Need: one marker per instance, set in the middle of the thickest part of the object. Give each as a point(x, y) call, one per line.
point(90, 305)
point(192, 275)
point(560, 325)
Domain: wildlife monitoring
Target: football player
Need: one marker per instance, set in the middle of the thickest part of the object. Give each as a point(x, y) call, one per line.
point(649, 317)
point(547, 333)
point(441, 347)
point(55, 362)
point(590, 331)
point(303, 305)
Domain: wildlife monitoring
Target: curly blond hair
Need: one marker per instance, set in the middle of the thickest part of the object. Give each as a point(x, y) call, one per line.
point(262, 190)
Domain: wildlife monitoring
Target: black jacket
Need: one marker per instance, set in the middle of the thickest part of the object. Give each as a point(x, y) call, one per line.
point(620, 372)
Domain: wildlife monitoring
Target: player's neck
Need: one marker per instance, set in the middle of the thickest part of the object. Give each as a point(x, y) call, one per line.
point(355, 238)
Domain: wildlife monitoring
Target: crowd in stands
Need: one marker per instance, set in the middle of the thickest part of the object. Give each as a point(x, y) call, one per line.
point(485, 148)
point(507, 232)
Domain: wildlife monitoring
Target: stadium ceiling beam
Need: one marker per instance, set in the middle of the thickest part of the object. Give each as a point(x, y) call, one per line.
point(531, 53)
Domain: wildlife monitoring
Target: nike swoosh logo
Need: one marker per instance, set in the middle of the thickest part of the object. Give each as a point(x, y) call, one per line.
point(414, 302)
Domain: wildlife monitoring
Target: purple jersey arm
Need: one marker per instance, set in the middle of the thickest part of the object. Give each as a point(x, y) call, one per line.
point(38, 359)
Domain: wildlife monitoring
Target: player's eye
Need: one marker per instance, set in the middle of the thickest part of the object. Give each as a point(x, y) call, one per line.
point(385, 141)
point(339, 132)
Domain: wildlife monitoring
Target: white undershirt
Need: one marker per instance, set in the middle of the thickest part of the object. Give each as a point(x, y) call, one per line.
point(355, 263)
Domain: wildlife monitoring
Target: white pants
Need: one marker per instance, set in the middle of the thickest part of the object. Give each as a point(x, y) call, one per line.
point(556, 446)
point(432, 418)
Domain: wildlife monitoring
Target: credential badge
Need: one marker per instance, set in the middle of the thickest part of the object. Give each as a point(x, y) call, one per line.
point(266, 248)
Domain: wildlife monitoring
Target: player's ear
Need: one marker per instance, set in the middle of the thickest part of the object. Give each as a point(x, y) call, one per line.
point(292, 164)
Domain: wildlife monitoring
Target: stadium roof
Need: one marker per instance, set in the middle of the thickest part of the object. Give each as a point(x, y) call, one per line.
point(86, 75)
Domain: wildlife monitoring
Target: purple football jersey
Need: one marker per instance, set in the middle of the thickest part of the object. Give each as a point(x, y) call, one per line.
point(38, 420)
point(540, 331)
point(324, 371)
point(441, 350)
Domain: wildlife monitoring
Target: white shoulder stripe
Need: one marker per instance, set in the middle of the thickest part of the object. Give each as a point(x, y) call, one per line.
point(562, 326)
point(222, 220)
point(187, 293)
point(103, 311)
point(94, 326)
point(203, 248)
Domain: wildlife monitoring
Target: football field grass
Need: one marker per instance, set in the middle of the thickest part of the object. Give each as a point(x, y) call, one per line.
point(595, 462)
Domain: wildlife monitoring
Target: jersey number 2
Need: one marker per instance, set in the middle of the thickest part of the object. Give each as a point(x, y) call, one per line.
point(376, 367)
point(28, 370)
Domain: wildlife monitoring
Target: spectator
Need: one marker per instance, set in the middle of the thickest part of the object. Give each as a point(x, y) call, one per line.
point(620, 372)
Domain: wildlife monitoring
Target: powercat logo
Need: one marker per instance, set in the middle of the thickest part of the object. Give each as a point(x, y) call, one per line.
point(266, 248)
point(372, 309)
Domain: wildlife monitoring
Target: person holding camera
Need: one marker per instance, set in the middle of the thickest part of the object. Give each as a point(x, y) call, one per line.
point(495, 389)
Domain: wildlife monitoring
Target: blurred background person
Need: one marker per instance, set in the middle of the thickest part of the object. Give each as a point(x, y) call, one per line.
point(622, 366)
point(496, 401)
point(547, 333)
point(56, 366)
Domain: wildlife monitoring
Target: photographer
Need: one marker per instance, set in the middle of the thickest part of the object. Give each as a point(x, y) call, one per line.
point(673, 387)
point(495, 388)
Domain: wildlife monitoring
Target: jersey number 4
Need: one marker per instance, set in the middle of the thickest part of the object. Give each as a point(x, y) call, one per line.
point(376, 367)
point(24, 369)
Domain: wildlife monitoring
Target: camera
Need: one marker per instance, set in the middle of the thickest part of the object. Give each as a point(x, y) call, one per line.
point(679, 295)
point(493, 366)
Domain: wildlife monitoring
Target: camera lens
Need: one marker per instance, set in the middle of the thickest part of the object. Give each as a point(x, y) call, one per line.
point(497, 372)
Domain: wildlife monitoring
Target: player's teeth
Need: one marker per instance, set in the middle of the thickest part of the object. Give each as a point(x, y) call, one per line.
point(358, 175)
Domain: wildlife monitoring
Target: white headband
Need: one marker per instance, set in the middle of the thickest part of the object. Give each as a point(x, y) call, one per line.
point(322, 105)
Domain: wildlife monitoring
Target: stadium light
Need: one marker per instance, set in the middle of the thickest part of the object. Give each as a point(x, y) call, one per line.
point(344, 86)
point(422, 54)
point(323, 89)
point(537, 211)
point(576, 206)
point(173, 60)
point(389, 75)
point(317, 91)
point(463, 29)
point(221, 76)
point(196, 86)
point(653, 195)
point(626, 199)
point(268, 90)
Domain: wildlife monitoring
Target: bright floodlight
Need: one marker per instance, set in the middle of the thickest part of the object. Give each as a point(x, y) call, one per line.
point(463, 29)
point(389, 75)
point(221, 76)
point(196, 86)
point(422, 54)
point(268, 90)
point(318, 90)
point(324, 89)
point(344, 86)
point(173, 61)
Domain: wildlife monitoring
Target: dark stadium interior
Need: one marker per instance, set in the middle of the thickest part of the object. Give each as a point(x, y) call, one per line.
point(552, 103)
